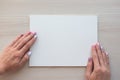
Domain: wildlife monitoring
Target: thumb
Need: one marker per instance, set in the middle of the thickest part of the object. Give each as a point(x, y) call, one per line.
point(89, 69)
point(24, 59)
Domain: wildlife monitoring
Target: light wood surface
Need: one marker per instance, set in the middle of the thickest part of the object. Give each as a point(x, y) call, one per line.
point(14, 20)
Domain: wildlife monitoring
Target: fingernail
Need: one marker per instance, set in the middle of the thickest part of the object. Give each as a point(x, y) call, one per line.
point(29, 53)
point(107, 53)
point(89, 59)
point(98, 44)
point(35, 36)
point(101, 47)
point(34, 33)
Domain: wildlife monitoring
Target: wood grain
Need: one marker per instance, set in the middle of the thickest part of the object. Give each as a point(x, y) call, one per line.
point(14, 20)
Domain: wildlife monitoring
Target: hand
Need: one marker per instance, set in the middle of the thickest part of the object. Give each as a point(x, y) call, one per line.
point(98, 66)
point(15, 55)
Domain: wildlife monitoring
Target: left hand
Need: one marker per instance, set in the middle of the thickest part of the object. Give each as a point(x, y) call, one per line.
point(14, 56)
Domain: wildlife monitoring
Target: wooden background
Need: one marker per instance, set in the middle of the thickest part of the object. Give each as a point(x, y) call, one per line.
point(14, 20)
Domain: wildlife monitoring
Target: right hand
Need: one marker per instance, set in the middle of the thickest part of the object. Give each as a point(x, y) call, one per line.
point(98, 67)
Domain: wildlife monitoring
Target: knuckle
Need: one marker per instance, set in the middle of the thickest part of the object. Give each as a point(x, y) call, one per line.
point(88, 65)
point(26, 57)
point(16, 60)
point(24, 41)
point(27, 45)
point(105, 70)
point(17, 56)
point(98, 70)
point(94, 56)
point(102, 70)
point(87, 75)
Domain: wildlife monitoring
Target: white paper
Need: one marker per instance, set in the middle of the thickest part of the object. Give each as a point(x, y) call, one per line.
point(62, 40)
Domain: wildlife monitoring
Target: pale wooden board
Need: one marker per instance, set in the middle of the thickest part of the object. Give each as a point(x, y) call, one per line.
point(14, 20)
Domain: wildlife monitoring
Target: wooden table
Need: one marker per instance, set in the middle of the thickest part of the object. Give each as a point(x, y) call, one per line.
point(14, 20)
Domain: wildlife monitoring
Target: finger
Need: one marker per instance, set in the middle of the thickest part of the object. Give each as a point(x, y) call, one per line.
point(103, 54)
point(25, 40)
point(95, 57)
point(107, 60)
point(28, 45)
point(104, 57)
point(24, 60)
point(89, 68)
point(14, 41)
point(18, 41)
point(99, 53)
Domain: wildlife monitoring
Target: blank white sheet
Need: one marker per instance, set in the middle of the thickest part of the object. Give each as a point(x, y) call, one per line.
point(62, 40)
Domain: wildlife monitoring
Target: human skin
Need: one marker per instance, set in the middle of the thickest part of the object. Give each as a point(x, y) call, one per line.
point(98, 67)
point(16, 54)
